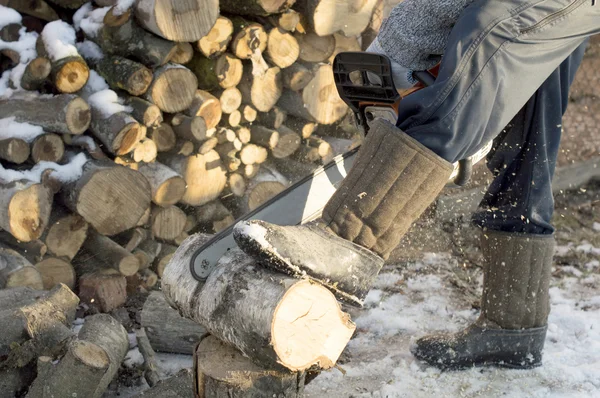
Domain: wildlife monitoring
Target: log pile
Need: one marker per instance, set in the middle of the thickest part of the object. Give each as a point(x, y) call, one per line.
point(128, 126)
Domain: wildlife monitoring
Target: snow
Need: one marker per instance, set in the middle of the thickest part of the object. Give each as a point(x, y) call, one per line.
point(65, 173)
point(133, 358)
point(59, 40)
point(596, 226)
point(8, 16)
point(91, 21)
point(9, 128)
point(89, 50)
point(122, 6)
point(255, 231)
point(107, 103)
point(25, 47)
point(81, 13)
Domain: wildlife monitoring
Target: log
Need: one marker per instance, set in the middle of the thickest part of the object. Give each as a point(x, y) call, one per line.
point(24, 209)
point(179, 386)
point(77, 374)
point(287, 20)
point(272, 119)
point(121, 35)
point(167, 222)
point(163, 136)
point(304, 128)
point(47, 147)
point(103, 291)
point(167, 186)
point(230, 161)
point(343, 44)
point(221, 370)
point(172, 88)
point(229, 149)
point(264, 91)
point(230, 99)
point(145, 151)
point(36, 73)
point(319, 101)
point(264, 137)
point(214, 216)
point(315, 48)
point(166, 253)
point(107, 333)
point(192, 128)
point(146, 252)
point(65, 113)
point(307, 154)
point(150, 365)
point(323, 148)
point(101, 185)
point(225, 135)
point(251, 170)
point(288, 143)
point(119, 132)
point(65, 234)
point(183, 54)
point(275, 320)
point(177, 20)
point(327, 17)
point(207, 107)
point(87, 143)
point(145, 112)
point(132, 238)
point(282, 48)
point(182, 147)
point(266, 184)
point(55, 271)
point(236, 184)
point(224, 71)
point(248, 38)
point(208, 146)
point(124, 74)
point(217, 39)
point(36, 8)
point(296, 77)
point(33, 251)
point(148, 279)
point(111, 254)
point(255, 7)
point(204, 175)
point(14, 150)
point(144, 220)
point(234, 119)
point(15, 382)
point(249, 114)
point(16, 271)
point(243, 134)
point(35, 328)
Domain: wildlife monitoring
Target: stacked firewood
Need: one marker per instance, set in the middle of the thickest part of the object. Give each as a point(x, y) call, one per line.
point(126, 126)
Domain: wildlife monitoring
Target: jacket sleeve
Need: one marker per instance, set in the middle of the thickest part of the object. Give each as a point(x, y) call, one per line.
point(416, 32)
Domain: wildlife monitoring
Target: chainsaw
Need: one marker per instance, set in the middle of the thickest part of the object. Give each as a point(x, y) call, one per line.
point(364, 82)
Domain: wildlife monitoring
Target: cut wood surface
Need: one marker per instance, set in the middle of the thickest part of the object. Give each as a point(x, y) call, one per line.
point(119, 132)
point(192, 128)
point(255, 7)
point(16, 271)
point(234, 119)
point(167, 222)
point(288, 315)
point(163, 136)
point(65, 233)
point(14, 150)
point(243, 134)
point(217, 39)
point(103, 291)
point(178, 20)
point(315, 48)
point(24, 209)
point(251, 154)
point(287, 20)
point(54, 271)
point(183, 54)
point(248, 37)
point(342, 44)
point(264, 136)
point(223, 71)
point(146, 252)
point(327, 17)
point(33, 251)
point(236, 184)
point(288, 143)
point(230, 99)
point(144, 151)
point(36, 73)
point(303, 127)
point(207, 106)
point(261, 91)
point(101, 185)
point(68, 73)
point(221, 370)
point(111, 254)
point(66, 113)
point(47, 147)
point(296, 77)
point(262, 187)
point(272, 119)
point(214, 216)
point(172, 88)
point(166, 253)
point(167, 186)
point(145, 112)
point(282, 48)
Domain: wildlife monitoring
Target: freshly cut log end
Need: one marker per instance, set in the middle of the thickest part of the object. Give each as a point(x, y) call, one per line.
point(217, 39)
point(103, 291)
point(70, 74)
point(145, 112)
point(249, 114)
point(296, 77)
point(183, 54)
point(206, 106)
point(303, 127)
point(288, 143)
point(173, 88)
point(251, 154)
point(264, 136)
point(167, 223)
point(191, 128)
point(120, 133)
point(47, 147)
point(243, 134)
point(163, 136)
point(230, 100)
point(282, 48)
point(178, 20)
point(14, 150)
point(236, 184)
point(66, 236)
point(54, 271)
point(234, 119)
point(248, 38)
point(315, 48)
point(163, 258)
point(287, 20)
point(224, 71)
point(26, 209)
point(263, 91)
point(343, 44)
point(168, 187)
point(145, 151)
point(36, 73)
point(222, 370)
point(256, 7)
point(330, 16)
point(16, 271)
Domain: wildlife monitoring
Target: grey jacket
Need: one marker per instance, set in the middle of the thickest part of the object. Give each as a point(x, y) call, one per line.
point(416, 32)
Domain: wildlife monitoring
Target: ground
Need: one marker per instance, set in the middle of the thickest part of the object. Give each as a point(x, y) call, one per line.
point(435, 287)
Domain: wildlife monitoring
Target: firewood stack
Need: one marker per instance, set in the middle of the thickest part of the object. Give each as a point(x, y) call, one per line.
point(127, 126)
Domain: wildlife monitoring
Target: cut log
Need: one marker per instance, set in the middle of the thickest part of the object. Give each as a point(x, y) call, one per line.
point(315, 48)
point(182, 147)
point(65, 234)
point(36, 73)
point(287, 20)
point(251, 170)
point(225, 135)
point(231, 161)
point(121, 35)
point(249, 114)
point(78, 373)
point(288, 315)
point(208, 146)
point(150, 365)
point(132, 238)
point(146, 252)
point(213, 217)
point(234, 119)
point(243, 134)
point(47, 147)
point(65, 113)
point(296, 77)
point(229, 149)
point(16, 271)
point(206, 106)
point(167, 186)
point(304, 128)
point(265, 185)
point(327, 17)
point(41, 327)
point(148, 279)
point(145, 112)
point(107, 333)
point(282, 48)
point(230, 99)
point(14, 150)
point(288, 143)
point(167, 222)
point(87, 143)
point(319, 101)
point(264, 91)
point(124, 74)
point(144, 220)
point(264, 137)
point(307, 154)
point(103, 291)
point(103, 184)
point(236, 184)
point(178, 20)
point(24, 209)
point(33, 251)
point(172, 88)
point(204, 175)
point(343, 44)
point(111, 254)
point(184, 53)
point(179, 386)
point(119, 132)
point(224, 71)
point(163, 258)
point(144, 151)
point(36, 8)
point(221, 370)
point(192, 128)
point(55, 271)
point(272, 119)
point(323, 148)
point(251, 154)
point(248, 38)
point(217, 39)
point(163, 136)
point(255, 7)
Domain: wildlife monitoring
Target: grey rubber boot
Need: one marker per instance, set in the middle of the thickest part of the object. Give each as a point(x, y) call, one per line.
point(511, 329)
point(393, 180)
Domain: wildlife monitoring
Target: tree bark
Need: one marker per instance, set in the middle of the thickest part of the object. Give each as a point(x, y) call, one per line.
point(289, 142)
point(221, 370)
point(36, 8)
point(33, 251)
point(55, 271)
point(272, 119)
point(327, 17)
point(303, 127)
point(263, 314)
point(111, 254)
point(119, 132)
point(192, 128)
point(173, 88)
point(124, 74)
point(167, 186)
point(69, 3)
point(87, 143)
point(36, 73)
point(223, 71)
point(65, 113)
point(255, 7)
point(217, 39)
point(151, 372)
point(206, 106)
point(47, 147)
point(68, 74)
point(264, 137)
point(167, 222)
point(145, 112)
point(14, 150)
point(146, 252)
point(262, 92)
point(214, 216)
